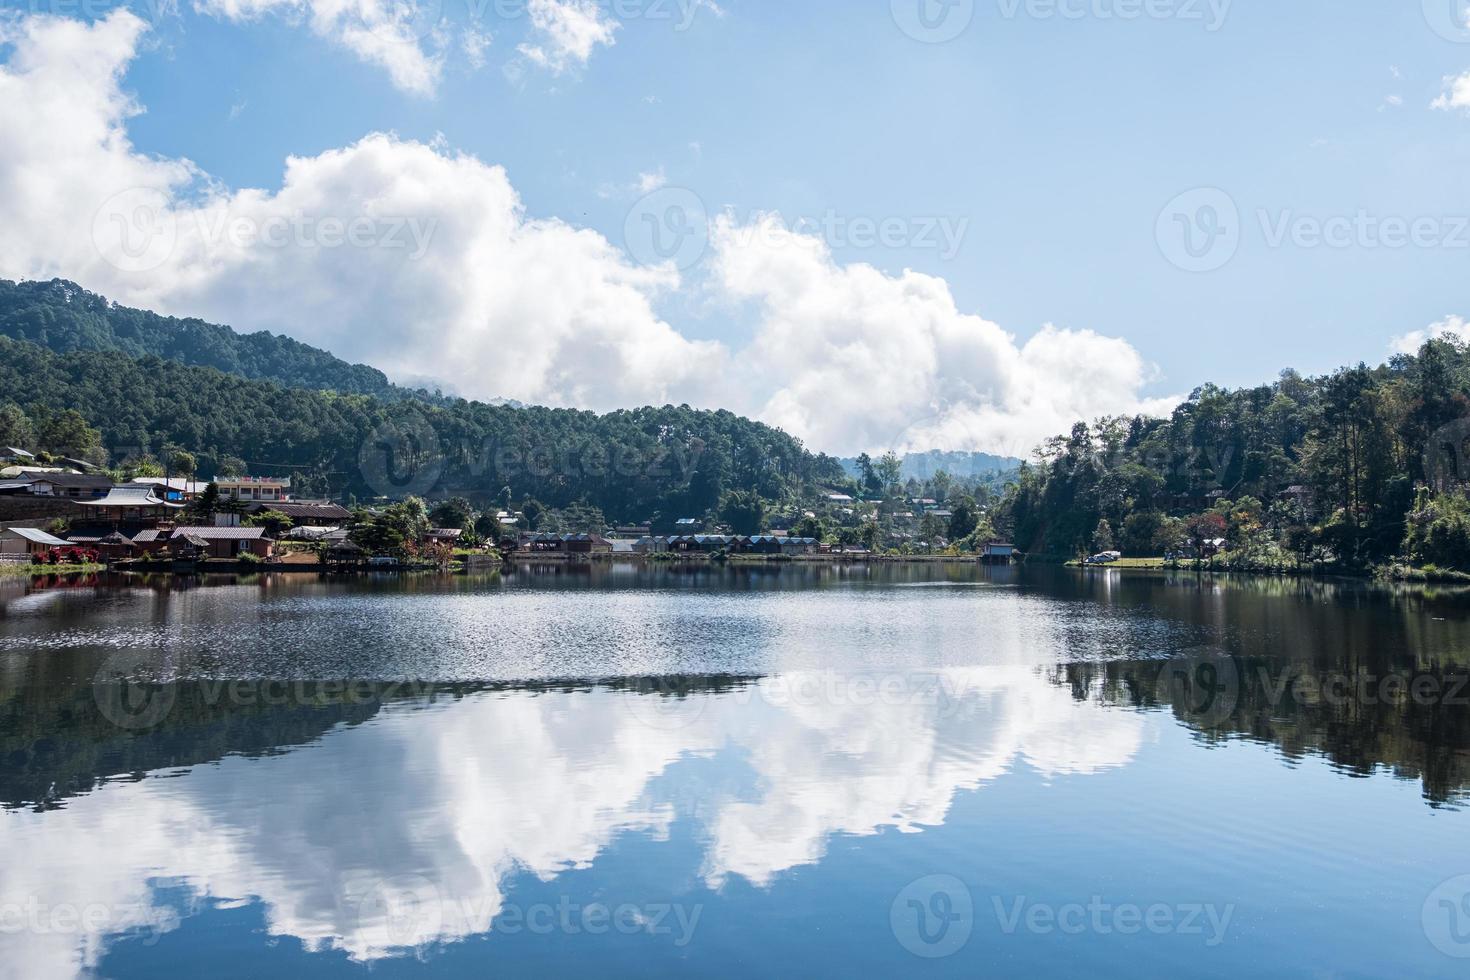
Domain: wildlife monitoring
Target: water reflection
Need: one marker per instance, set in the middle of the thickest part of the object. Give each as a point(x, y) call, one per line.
point(383, 765)
point(466, 790)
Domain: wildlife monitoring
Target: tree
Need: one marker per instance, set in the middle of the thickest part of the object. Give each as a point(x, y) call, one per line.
point(889, 472)
point(183, 463)
point(231, 466)
point(207, 504)
point(1202, 528)
point(274, 522)
point(15, 428)
point(455, 512)
point(67, 433)
point(964, 518)
point(487, 526)
point(533, 510)
point(1102, 537)
point(744, 511)
point(810, 527)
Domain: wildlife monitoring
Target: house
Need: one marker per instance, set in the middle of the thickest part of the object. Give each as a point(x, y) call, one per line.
point(651, 545)
point(309, 513)
point(445, 535)
point(175, 489)
point(226, 542)
point(17, 457)
point(28, 541)
point(115, 547)
point(702, 543)
point(151, 541)
point(688, 525)
point(997, 552)
point(307, 532)
point(759, 544)
point(800, 546)
point(130, 502)
point(838, 498)
point(72, 486)
point(251, 489)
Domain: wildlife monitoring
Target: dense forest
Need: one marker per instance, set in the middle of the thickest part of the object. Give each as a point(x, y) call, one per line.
point(632, 465)
point(62, 316)
point(1356, 469)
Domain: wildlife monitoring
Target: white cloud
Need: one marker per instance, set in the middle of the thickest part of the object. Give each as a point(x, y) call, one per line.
point(650, 182)
point(566, 32)
point(1451, 327)
point(403, 37)
point(475, 44)
point(1456, 93)
point(425, 262)
point(862, 359)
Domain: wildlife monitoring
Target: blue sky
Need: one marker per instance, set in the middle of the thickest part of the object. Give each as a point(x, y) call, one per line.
point(1052, 135)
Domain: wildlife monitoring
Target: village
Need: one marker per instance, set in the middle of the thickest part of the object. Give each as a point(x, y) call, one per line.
point(67, 512)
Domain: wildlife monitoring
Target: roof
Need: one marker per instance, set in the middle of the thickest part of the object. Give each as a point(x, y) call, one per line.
point(173, 483)
point(308, 533)
point(150, 535)
point(305, 511)
point(116, 537)
point(220, 533)
point(18, 453)
point(130, 496)
point(77, 481)
point(36, 536)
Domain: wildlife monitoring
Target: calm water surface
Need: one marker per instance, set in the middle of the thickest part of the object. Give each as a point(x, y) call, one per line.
point(776, 770)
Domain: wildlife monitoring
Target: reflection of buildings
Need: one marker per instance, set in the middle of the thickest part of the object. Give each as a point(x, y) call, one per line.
point(459, 796)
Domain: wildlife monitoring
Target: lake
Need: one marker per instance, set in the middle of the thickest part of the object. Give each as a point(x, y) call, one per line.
point(776, 770)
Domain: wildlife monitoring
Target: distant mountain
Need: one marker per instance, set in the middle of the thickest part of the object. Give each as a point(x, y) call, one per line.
point(63, 317)
point(922, 466)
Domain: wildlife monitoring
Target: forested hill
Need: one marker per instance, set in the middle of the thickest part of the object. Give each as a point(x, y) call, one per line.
point(1362, 467)
point(62, 316)
point(631, 464)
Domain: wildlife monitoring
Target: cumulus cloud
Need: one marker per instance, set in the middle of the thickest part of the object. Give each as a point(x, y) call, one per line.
point(425, 262)
point(566, 32)
point(863, 359)
point(401, 36)
point(1456, 94)
point(1451, 327)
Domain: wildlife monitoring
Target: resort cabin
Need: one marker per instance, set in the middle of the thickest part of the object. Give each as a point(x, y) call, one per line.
point(115, 547)
point(27, 541)
point(997, 552)
point(72, 486)
point(226, 542)
point(132, 502)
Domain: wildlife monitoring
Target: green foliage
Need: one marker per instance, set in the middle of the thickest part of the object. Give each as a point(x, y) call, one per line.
point(63, 317)
point(1305, 468)
point(456, 512)
point(274, 522)
point(632, 465)
point(744, 511)
point(15, 427)
point(810, 527)
point(1439, 532)
point(964, 518)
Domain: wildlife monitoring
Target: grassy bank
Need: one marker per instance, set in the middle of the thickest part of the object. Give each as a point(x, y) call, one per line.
point(13, 570)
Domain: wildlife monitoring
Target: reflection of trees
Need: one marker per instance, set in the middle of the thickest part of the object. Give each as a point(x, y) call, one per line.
point(56, 743)
point(1345, 714)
